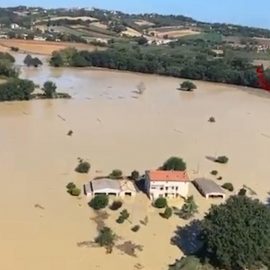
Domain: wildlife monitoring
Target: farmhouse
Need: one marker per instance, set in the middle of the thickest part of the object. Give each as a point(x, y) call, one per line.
point(171, 184)
point(119, 188)
point(209, 188)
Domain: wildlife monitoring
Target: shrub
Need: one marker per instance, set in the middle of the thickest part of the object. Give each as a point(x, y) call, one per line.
point(188, 209)
point(242, 192)
point(99, 202)
point(188, 86)
point(160, 203)
point(70, 185)
point(175, 164)
point(116, 174)
point(116, 205)
point(212, 119)
point(136, 228)
point(228, 186)
point(75, 191)
point(16, 89)
point(220, 178)
point(106, 238)
point(167, 213)
point(135, 175)
point(70, 133)
point(120, 220)
point(49, 89)
point(83, 167)
point(214, 172)
point(123, 216)
point(222, 159)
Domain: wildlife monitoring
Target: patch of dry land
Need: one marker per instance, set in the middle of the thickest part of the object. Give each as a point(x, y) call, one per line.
point(131, 32)
point(113, 127)
point(173, 32)
point(40, 47)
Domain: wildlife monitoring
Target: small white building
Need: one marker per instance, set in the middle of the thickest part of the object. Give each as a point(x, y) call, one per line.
point(106, 186)
point(169, 184)
point(14, 26)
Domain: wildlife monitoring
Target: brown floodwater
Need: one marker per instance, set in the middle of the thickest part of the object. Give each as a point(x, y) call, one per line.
point(113, 127)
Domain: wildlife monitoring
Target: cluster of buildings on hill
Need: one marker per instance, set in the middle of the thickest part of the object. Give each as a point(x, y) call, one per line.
point(157, 183)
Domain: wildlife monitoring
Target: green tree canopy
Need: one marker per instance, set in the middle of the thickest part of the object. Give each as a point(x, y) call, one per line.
point(237, 234)
point(188, 86)
point(16, 89)
point(49, 89)
point(106, 238)
point(99, 202)
point(175, 164)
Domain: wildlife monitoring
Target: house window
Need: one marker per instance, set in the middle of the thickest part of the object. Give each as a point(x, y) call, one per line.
point(161, 188)
point(176, 188)
point(172, 187)
point(166, 188)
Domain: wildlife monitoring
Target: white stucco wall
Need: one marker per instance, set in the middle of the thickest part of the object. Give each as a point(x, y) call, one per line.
point(171, 189)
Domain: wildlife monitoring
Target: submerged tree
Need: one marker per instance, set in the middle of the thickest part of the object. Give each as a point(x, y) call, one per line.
point(106, 238)
point(175, 164)
point(189, 209)
point(188, 86)
point(49, 89)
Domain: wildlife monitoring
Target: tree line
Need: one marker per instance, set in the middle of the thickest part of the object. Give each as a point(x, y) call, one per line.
point(196, 66)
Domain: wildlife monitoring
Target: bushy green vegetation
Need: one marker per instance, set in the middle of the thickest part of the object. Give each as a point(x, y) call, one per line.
point(160, 202)
point(7, 69)
point(116, 174)
point(180, 61)
point(73, 190)
point(189, 209)
point(83, 166)
point(190, 263)
point(124, 215)
point(237, 234)
point(233, 235)
point(188, 86)
point(106, 238)
point(214, 172)
point(175, 164)
point(49, 89)
point(167, 212)
point(228, 186)
point(16, 89)
point(99, 202)
point(32, 61)
point(135, 175)
point(242, 192)
point(6, 57)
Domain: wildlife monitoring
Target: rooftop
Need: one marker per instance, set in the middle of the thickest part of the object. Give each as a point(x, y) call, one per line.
point(105, 183)
point(168, 176)
point(208, 186)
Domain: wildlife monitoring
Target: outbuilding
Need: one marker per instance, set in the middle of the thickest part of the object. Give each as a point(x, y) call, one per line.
point(106, 186)
point(208, 188)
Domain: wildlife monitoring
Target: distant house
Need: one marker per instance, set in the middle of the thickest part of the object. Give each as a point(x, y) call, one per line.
point(171, 184)
point(38, 38)
point(208, 188)
point(14, 26)
point(106, 186)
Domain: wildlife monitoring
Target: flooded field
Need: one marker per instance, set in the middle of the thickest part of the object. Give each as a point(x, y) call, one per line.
point(114, 127)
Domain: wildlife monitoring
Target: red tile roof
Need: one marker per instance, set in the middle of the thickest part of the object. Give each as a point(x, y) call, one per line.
point(168, 176)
